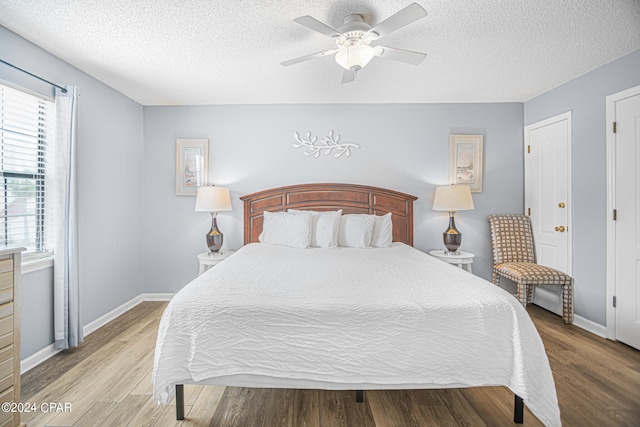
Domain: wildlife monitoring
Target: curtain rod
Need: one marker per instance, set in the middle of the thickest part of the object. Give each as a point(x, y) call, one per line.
point(33, 75)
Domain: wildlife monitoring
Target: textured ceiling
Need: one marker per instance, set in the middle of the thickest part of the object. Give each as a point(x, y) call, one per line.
point(161, 52)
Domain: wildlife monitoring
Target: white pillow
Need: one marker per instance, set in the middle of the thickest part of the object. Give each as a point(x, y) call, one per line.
point(324, 227)
point(356, 230)
point(382, 231)
point(286, 229)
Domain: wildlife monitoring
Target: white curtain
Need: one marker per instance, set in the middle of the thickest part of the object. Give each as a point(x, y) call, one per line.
point(66, 312)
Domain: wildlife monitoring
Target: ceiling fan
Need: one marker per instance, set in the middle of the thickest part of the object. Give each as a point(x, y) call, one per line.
point(353, 51)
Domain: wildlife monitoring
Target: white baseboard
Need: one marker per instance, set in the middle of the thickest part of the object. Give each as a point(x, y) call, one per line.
point(552, 300)
point(37, 358)
point(549, 298)
point(590, 326)
point(157, 297)
point(103, 320)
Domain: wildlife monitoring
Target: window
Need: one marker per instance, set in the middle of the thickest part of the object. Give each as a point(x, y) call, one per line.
point(27, 128)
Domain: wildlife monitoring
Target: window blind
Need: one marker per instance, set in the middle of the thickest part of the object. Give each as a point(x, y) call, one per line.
point(27, 128)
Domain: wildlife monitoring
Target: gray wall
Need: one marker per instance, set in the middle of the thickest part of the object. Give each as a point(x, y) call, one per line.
point(585, 97)
point(36, 310)
point(403, 147)
point(110, 180)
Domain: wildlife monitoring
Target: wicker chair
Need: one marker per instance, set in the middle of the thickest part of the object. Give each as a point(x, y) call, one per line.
point(514, 257)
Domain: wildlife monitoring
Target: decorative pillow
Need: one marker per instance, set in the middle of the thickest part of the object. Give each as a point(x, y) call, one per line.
point(382, 231)
point(324, 227)
point(286, 229)
point(356, 230)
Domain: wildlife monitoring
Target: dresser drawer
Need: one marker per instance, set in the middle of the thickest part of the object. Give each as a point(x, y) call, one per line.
point(6, 382)
point(6, 355)
point(6, 361)
point(6, 325)
point(6, 280)
point(6, 310)
point(6, 295)
point(6, 265)
point(6, 396)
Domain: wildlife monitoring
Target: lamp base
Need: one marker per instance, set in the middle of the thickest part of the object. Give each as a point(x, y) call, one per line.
point(452, 237)
point(214, 236)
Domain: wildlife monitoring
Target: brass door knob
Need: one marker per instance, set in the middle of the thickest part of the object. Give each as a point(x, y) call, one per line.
point(561, 205)
point(560, 229)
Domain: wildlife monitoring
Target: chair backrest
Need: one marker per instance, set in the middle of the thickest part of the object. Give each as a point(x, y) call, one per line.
point(512, 239)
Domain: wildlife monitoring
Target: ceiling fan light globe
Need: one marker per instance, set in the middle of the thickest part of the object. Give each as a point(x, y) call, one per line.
point(357, 55)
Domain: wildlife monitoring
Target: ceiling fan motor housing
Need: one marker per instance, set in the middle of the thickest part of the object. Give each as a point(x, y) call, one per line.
point(354, 22)
point(353, 31)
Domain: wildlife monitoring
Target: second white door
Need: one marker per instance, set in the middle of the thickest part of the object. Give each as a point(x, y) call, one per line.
point(627, 217)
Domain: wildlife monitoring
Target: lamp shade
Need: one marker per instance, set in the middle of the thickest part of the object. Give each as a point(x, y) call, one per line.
point(453, 198)
point(357, 55)
point(213, 199)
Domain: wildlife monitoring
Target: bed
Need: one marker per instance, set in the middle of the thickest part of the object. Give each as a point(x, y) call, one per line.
point(347, 318)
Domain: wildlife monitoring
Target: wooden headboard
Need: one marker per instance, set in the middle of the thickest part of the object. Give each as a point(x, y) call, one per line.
point(351, 198)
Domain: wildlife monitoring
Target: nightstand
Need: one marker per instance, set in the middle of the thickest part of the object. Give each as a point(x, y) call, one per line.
point(461, 259)
point(210, 259)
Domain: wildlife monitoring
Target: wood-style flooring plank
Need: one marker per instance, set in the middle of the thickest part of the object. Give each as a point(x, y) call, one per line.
point(279, 408)
point(483, 405)
point(435, 416)
point(306, 410)
point(204, 406)
point(144, 386)
point(391, 408)
point(458, 406)
point(340, 408)
point(384, 414)
point(152, 415)
point(111, 413)
point(240, 406)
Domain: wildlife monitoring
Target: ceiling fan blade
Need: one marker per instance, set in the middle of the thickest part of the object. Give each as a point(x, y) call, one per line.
point(309, 57)
point(349, 75)
point(408, 56)
point(406, 16)
point(315, 25)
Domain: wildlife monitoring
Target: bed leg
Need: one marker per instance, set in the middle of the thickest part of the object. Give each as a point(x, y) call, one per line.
point(179, 402)
point(518, 410)
point(359, 396)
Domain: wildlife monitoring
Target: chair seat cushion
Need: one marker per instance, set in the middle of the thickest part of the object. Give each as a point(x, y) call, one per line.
point(532, 274)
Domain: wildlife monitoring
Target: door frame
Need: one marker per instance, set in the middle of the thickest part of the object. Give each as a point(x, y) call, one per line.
point(611, 204)
point(557, 118)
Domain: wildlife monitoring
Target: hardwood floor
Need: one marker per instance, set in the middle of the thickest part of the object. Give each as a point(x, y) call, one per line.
point(107, 381)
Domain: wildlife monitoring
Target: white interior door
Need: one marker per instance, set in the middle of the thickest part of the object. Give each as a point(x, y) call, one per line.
point(627, 221)
point(548, 199)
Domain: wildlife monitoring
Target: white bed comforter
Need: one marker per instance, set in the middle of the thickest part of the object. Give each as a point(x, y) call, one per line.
point(349, 319)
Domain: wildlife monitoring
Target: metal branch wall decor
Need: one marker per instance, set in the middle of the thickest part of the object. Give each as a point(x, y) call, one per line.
point(327, 145)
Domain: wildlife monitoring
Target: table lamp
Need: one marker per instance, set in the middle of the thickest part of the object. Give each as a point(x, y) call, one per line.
point(213, 199)
point(452, 198)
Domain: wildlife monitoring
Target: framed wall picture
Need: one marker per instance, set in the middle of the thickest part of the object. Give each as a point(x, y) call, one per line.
point(465, 161)
point(192, 165)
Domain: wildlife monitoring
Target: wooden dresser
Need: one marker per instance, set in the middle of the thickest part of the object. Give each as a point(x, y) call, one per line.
point(9, 334)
